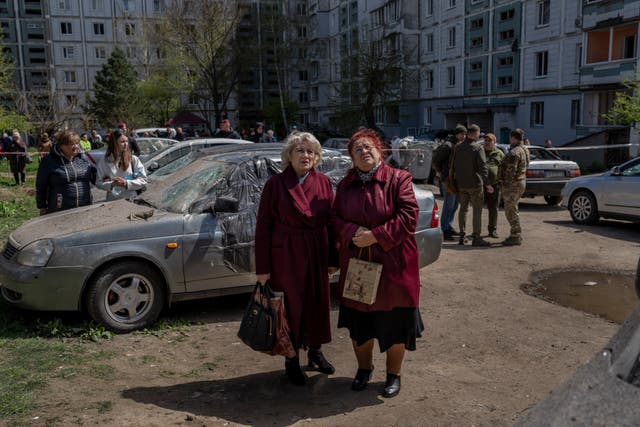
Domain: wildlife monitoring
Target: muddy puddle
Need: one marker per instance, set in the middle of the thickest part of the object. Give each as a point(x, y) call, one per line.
point(606, 294)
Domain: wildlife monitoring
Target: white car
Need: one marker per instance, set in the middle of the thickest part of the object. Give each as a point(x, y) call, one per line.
point(612, 194)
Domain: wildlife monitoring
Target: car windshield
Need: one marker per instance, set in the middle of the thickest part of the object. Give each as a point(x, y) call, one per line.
point(148, 146)
point(168, 169)
point(542, 154)
point(178, 191)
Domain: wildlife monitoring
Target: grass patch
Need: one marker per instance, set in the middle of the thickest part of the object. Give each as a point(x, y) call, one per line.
point(17, 203)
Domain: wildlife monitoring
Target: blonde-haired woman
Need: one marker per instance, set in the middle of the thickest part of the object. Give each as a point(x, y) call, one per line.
point(293, 248)
point(120, 173)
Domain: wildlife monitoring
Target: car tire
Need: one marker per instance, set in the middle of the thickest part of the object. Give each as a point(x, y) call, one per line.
point(126, 296)
point(583, 208)
point(552, 200)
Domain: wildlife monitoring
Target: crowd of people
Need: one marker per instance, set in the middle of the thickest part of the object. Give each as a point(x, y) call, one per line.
point(482, 174)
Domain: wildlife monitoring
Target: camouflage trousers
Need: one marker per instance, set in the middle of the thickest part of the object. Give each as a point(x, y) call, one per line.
point(475, 197)
point(511, 195)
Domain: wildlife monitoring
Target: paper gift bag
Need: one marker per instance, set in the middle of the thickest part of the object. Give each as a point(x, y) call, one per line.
point(362, 280)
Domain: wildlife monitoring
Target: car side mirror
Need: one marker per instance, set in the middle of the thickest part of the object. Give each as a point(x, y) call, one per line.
point(153, 166)
point(226, 204)
point(615, 171)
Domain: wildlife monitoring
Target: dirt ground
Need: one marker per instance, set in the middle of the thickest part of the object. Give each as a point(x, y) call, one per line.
point(489, 352)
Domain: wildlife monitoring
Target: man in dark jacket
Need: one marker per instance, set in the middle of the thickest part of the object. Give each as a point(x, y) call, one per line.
point(225, 131)
point(470, 169)
point(259, 136)
point(441, 161)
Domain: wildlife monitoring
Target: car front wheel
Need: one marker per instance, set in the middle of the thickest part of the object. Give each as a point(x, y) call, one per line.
point(583, 208)
point(552, 200)
point(126, 296)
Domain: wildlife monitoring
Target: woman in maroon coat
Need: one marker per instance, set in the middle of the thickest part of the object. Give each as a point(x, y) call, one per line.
point(375, 208)
point(292, 248)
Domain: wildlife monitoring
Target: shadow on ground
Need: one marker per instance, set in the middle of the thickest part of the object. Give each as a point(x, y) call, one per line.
point(259, 399)
point(621, 230)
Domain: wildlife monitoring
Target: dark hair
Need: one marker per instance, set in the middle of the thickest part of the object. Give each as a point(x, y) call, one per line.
point(124, 160)
point(369, 134)
point(517, 133)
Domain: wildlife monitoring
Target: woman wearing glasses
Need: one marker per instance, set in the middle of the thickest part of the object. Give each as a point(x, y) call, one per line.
point(375, 212)
point(292, 248)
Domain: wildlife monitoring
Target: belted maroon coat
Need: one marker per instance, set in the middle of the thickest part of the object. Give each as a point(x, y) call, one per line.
point(292, 244)
point(387, 206)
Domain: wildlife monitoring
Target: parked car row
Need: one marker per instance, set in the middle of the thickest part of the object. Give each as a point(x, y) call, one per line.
point(189, 235)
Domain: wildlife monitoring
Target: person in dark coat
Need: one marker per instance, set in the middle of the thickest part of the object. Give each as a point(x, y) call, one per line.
point(292, 248)
point(225, 131)
point(64, 176)
point(17, 160)
point(375, 208)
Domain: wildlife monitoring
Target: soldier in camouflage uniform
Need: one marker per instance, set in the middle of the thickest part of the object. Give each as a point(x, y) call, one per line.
point(513, 175)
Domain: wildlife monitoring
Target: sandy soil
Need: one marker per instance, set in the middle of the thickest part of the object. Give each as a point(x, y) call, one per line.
point(489, 353)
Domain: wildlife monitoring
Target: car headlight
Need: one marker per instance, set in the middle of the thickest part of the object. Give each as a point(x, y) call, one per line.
point(36, 254)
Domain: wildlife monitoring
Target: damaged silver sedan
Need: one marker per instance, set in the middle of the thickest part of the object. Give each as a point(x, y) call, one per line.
point(190, 235)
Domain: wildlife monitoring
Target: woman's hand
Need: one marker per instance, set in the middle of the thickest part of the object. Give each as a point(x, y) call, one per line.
point(364, 238)
point(119, 182)
point(262, 278)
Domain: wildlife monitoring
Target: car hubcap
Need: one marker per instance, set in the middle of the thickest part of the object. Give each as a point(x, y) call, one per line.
point(582, 207)
point(128, 298)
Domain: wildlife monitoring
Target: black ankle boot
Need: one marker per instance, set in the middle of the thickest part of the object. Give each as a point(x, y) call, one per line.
point(391, 386)
point(361, 380)
point(294, 372)
point(318, 361)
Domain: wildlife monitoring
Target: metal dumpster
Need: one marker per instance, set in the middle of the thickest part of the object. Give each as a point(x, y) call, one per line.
point(416, 157)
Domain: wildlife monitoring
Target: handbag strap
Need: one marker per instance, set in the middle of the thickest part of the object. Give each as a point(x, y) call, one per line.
point(360, 253)
point(263, 292)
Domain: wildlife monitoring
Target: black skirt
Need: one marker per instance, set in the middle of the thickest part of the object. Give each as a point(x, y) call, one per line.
point(401, 325)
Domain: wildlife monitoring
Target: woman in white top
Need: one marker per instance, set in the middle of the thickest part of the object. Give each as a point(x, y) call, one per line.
point(120, 173)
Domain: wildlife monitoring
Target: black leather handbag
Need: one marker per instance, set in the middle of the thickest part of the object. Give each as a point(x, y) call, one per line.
point(258, 326)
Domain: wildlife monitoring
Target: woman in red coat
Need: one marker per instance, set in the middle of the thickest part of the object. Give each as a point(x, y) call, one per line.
point(292, 248)
point(375, 208)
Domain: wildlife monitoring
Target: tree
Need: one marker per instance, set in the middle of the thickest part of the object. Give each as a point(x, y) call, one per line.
point(10, 118)
point(159, 99)
point(117, 97)
point(626, 105)
point(277, 112)
point(201, 52)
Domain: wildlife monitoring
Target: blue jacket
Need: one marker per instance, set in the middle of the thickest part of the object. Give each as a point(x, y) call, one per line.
point(62, 184)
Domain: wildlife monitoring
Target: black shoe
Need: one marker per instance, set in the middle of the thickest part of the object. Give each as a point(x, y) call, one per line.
point(493, 234)
point(448, 236)
point(461, 241)
point(392, 386)
point(294, 372)
point(318, 361)
point(479, 241)
point(361, 380)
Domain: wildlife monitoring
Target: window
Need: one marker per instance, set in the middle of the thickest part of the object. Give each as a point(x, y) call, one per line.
point(544, 12)
point(64, 4)
point(303, 75)
point(98, 29)
point(507, 14)
point(97, 4)
point(575, 113)
point(476, 66)
point(426, 121)
point(314, 93)
point(477, 24)
point(452, 37)
point(130, 29)
point(542, 63)
point(476, 84)
point(101, 53)
point(505, 81)
point(428, 79)
point(476, 42)
point(451, 76)
point(72, 100)
point(537, 114)
point(506, 34)
point(303, 97)
point(70, 76)
point(302, 9)
point(429, 43)
point(429, 7)
point(452, 4)
point(578, 57)
point(629, 46)
point(129, 5)
point(131, 52)
point(506, 61)
point(302, 32)
point(611, 44)
point(158, 5)
point(66, 28)
point(68, 52)
point(378, 112)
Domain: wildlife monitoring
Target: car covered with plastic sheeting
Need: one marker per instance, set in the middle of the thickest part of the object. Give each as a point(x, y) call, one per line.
point(189, 236)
